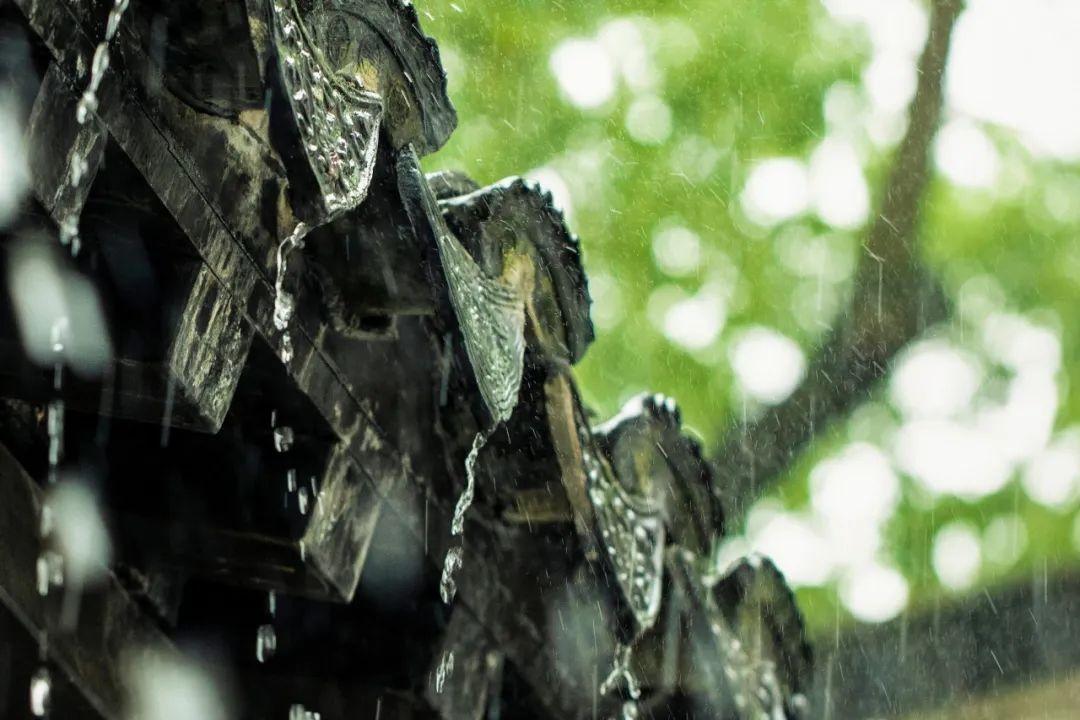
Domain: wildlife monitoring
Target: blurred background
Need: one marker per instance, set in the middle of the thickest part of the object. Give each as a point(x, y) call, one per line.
point(723, 162)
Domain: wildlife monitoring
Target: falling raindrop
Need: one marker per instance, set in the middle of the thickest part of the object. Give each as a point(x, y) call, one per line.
point(55, 428)
point(302, 500)
point(271, 602)
point(88, 105)
point(447, 585)
point(284, 302)
point(283, 439)
point(50, 571)
point(444, 671)
point(58, 333)
point(457, 526)
point(40, 692)
point(290, 480)
point(265, 643)
point(299, 712)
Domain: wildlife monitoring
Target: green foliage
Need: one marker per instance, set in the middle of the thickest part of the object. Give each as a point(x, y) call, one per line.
point(746, 81)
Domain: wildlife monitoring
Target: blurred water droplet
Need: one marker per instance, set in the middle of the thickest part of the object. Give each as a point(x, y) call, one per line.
point(299, 712)
point(40, 692)
point(283, 441)
point(265, 643)
point(168, 686)
point(50, 571)
point(80, 532)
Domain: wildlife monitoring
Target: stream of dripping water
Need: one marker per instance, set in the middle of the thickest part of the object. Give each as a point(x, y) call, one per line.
point(265, 634)
point(84, 110)
point(454, 556)
point(284, 302)
point(49, 568)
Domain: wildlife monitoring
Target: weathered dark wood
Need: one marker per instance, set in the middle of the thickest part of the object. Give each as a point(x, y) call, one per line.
point(216, 178)
point(54, 137)
point(383, 386)
point(192, 383)
point(321, 557)
point(471, 684)
point(208, 352)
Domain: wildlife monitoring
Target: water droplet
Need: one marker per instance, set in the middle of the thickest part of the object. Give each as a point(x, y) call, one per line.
point(299, 712)
point(265, 643)
point(283, 441)
point(50, 571)
point(40, 692)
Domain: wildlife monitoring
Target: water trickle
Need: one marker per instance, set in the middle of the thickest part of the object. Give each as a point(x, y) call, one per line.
point(447, 585)
point(113, 23)
point(290, 480)
point(87, 106)
point(302, 500)
point(271, 602)
point(77, 167)
point(284, 302)
point(620, 673)
point(40, 692)
point(265, 643)
point(283, 438)
point(457, 526)
point(444, 671)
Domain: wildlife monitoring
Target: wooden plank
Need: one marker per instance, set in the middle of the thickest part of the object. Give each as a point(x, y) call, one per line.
point(54, 137)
